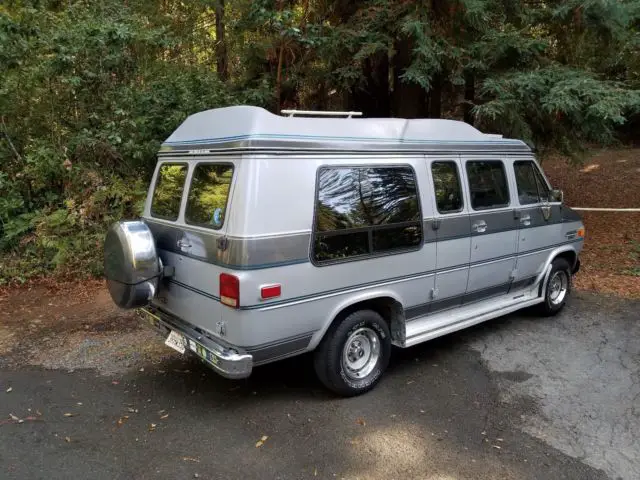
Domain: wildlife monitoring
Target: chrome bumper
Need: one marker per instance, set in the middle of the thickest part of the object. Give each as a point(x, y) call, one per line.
point(225, 360)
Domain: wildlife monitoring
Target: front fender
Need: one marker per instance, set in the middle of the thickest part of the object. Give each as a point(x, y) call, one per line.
point(543, 277)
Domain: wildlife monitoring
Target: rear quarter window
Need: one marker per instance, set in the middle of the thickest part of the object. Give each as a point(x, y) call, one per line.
point(209, 195)
point(167, 195)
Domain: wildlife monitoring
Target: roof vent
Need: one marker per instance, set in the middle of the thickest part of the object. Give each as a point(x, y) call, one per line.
point(312, 113)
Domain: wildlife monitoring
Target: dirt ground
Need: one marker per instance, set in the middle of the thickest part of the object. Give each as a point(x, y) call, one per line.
point(610, 179)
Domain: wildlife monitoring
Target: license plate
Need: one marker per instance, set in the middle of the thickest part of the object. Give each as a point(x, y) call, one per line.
point(176, 341)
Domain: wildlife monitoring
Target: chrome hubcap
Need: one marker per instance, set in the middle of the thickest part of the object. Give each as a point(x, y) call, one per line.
point(360, 353)
point(558, 286)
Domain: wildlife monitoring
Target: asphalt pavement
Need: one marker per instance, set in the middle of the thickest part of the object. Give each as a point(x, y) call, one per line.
point(518, 397)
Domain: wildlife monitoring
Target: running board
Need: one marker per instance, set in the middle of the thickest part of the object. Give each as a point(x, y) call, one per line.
point(428, 327)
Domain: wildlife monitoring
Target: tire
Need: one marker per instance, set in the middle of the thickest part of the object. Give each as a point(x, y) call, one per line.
point(354, 353)
point(558, 288)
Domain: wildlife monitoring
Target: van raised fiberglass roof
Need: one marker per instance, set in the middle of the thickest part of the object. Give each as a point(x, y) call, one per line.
point(253, 128)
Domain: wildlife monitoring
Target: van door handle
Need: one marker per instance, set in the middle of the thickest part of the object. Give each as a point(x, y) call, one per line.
point(480, 226)
point(525, 220)
point(183, 244)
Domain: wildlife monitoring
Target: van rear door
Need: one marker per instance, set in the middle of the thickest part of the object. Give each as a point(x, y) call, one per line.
point(187, 211)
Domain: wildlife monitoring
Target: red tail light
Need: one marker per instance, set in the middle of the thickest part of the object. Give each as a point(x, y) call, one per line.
point(230, 290)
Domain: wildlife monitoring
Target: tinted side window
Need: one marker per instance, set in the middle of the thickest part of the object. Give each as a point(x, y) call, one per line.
point(167, 194)
point(487, 184)
point(446, 182)
point(543, 188)
point(527, 183)
point(207, 201)
point(365, 210)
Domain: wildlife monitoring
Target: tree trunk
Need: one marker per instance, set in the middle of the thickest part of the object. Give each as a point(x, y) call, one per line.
point(222, 61)
point(409, 99)
point(372, 97)
point(469, 97)
point(435, 97)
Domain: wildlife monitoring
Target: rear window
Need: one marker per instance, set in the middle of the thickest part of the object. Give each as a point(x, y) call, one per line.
point(209, 195)
point(365, 211)
point(167, 195)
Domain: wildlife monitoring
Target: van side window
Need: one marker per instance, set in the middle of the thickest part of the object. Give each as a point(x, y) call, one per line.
point(167, 194)
point(364, 211)
point(543, 187)
point(487, 184)
point(532, 187)
point(446, 182)
point(208, 195)
point(527, 183)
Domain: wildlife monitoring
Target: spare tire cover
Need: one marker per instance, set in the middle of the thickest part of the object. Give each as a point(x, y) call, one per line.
point(131, 264)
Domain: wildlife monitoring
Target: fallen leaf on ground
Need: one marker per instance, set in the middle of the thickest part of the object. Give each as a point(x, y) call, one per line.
point(260, 442)
point(68, 414)
point(164, 416)
point(121, 421)
point(9, 390)
point(360, 421)
point(67, 439)
point(152, 427)
point(191, 459)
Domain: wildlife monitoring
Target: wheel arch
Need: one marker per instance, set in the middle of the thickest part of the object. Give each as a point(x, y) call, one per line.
point(568, 253)
point(386, 303)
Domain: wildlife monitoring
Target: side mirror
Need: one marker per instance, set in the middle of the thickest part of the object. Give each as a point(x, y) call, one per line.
point(556, 196)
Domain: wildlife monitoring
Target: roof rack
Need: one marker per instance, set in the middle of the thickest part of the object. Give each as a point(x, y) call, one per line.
point(312, 113)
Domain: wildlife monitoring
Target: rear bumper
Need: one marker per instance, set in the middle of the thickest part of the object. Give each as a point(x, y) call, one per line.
point(226, 360)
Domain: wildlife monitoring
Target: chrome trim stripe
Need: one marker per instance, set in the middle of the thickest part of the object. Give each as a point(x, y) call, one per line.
point(413, 313)
point(253, 253)
point(386, 281)
point(240, 253)
point(328, 143)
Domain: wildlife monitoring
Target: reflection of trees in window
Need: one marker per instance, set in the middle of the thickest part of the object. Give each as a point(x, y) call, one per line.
point(447, 187)
point(209, 192)
point(364, 210)
point(526, 182)
point(487, 184)
point(167, 195)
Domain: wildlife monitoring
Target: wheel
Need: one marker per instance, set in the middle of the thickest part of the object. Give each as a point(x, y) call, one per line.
point(354, 353)
point(558, 287)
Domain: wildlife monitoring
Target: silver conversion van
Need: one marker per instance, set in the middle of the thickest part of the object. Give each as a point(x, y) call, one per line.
point(264, 237)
